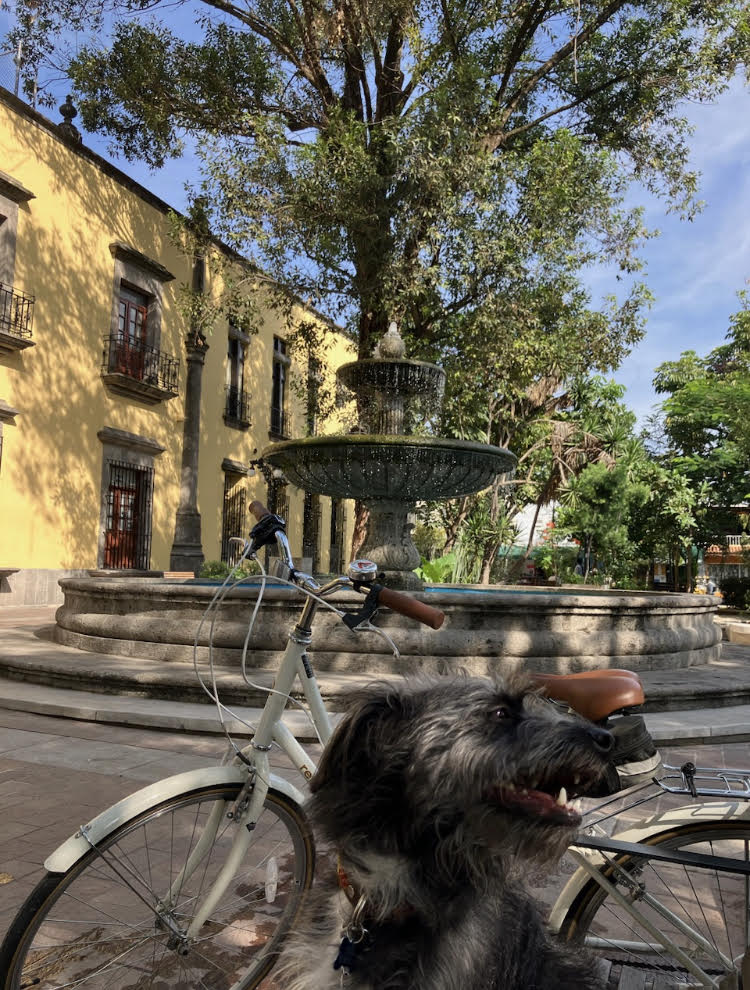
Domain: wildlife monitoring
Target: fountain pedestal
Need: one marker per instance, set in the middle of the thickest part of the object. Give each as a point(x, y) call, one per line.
point(389, 544)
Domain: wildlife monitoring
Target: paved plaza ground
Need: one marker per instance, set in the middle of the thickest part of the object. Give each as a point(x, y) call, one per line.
point(56, 773)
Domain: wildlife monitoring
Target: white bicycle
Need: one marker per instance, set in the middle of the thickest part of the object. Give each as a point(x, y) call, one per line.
point(193, 882)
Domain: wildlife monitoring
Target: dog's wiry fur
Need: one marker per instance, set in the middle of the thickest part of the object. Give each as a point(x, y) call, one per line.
point(421, 793)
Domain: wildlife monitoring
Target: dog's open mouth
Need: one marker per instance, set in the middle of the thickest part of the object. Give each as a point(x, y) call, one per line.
point(552, 806)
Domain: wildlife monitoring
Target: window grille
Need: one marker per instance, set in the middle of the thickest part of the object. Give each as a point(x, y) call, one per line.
point(237, 406)
point(233, 519)
point(128, 356)
point(279, 422)
point(311, 530)
point(16, 311)
point(127, 538)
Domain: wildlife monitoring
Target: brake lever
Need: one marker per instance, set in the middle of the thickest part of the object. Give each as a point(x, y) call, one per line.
point(367, 611)
point(369, 605)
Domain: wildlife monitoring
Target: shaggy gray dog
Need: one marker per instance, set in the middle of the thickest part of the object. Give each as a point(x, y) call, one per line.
point(436, 795)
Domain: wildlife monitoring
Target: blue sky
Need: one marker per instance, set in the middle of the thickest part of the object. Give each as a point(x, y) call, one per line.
point(694, 269)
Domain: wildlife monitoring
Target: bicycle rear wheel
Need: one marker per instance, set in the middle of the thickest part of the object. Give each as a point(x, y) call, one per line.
point(714, 905)
point(97, 925)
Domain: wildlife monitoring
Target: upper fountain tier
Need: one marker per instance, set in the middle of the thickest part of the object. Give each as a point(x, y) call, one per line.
point(394, 395)
point(382, 459)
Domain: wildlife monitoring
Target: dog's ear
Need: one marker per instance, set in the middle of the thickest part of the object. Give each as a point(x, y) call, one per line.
point(371, 730)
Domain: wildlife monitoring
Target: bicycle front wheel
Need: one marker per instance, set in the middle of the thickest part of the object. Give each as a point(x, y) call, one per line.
point(103, 924)
point(704, 912)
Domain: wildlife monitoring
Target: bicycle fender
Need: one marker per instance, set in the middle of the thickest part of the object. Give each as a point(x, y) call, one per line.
point(690, 814)
point(74, 848)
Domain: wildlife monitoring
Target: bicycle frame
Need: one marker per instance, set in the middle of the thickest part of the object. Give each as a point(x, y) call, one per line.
point(251, 768)
point(270, 729)
point(593, 852)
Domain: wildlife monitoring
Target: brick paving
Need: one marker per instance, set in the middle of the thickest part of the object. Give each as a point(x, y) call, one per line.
point(56, 774)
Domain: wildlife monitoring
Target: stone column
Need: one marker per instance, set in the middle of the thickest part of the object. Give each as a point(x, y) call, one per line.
point(187, 548)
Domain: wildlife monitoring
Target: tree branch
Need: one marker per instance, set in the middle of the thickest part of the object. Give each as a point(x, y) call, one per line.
point(562, 53)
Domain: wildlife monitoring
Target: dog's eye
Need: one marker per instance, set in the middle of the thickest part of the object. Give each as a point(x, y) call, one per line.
point(501, 713)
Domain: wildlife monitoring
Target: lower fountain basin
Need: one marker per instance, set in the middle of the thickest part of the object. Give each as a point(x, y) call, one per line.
point(499, 631)
point(405, 468)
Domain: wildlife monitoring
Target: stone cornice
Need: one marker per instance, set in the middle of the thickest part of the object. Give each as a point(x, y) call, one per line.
point(7, 413)
point(12, 189)
point(126, 253)
point(145, 445)
point(234, 467)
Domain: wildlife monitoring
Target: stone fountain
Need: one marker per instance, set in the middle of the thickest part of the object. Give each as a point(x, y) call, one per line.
point(390, 465)
point(386, 461)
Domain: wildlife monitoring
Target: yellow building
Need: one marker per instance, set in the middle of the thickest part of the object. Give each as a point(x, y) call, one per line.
point(104, 385)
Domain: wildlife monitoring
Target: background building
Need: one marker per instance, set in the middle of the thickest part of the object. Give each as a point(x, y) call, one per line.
point(125, 434)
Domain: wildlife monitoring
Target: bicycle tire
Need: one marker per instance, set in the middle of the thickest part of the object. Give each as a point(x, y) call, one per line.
point(714, 904)
point(87, 928)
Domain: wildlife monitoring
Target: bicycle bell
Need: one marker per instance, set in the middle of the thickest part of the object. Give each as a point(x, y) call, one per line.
point(364, 571)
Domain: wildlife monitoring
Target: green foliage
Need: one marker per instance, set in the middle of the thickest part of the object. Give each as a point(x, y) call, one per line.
point(217, 570)
point(412, 160)
point(437, 571)
point(596, 507)
point(704, 438)
point(429, 539)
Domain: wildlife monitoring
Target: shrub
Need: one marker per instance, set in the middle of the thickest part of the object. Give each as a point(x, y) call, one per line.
point(735, 591)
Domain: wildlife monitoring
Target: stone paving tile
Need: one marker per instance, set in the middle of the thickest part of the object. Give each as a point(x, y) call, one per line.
point(43, 801)
point(15, 739)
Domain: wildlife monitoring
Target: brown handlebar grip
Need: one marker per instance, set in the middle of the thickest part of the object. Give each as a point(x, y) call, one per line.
point(410, 607)
point(259, 510)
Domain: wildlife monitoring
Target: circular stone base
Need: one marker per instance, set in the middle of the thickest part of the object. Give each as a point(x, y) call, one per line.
point(494, 631)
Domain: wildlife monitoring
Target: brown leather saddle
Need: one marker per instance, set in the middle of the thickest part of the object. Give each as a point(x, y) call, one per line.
point(595, 694)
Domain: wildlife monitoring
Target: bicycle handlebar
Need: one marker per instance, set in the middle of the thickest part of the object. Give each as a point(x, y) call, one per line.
point(394, 600)
point(411, 608)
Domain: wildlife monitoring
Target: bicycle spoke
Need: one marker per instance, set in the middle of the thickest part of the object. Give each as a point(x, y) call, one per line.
point(101, 927)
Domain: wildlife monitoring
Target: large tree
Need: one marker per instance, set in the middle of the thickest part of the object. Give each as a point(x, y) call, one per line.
point(704, 435)
point(450, 163)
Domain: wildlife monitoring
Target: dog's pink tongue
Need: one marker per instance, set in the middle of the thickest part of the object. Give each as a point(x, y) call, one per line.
point(540, 805)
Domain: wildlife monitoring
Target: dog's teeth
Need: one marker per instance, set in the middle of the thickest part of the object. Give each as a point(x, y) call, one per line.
point(577, 779)
point(562, 797)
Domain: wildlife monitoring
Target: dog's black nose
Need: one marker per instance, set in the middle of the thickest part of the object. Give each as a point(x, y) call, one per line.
point(603, 740)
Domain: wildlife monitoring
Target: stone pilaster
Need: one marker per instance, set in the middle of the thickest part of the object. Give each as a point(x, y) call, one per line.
point(187, 548)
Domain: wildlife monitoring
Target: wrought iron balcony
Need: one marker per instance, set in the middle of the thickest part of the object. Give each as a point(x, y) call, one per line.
point(130, 367)
point(237, 408)
point(16, 314)
point(279, 423)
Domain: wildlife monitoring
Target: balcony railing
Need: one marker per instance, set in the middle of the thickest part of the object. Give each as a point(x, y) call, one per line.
point(279, 422)
point(237, 407)
point(16, 314)
point(135, 367)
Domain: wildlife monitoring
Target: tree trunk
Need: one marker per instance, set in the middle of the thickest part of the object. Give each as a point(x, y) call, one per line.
point(361, 518)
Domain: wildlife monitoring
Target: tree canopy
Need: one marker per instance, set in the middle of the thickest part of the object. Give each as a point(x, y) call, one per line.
point(447, 163)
